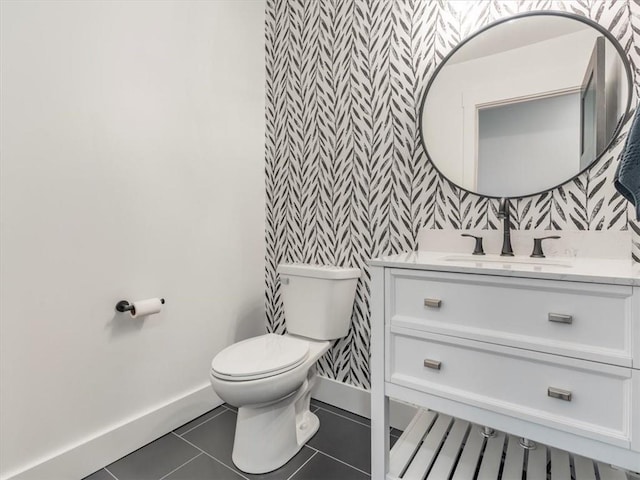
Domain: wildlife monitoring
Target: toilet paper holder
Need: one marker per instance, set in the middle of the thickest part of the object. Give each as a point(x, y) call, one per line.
point(124, 306)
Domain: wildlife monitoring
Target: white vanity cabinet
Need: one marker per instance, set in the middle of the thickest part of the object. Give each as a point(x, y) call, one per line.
point(548, 353)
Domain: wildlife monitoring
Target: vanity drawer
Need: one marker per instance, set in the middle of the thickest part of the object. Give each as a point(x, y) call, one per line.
point(582, 320)
point(577, 396)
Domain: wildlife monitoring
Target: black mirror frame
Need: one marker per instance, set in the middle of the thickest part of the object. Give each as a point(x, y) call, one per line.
point(623, 120)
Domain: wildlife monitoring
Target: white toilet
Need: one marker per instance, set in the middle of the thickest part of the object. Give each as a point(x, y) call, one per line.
point(269, 378)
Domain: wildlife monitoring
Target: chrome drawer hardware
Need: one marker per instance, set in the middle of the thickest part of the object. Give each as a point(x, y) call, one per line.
point(560, 318)
point(432, 364)
point(559, 394)
point(432, 302)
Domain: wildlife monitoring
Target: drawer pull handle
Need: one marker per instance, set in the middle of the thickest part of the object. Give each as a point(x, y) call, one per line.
point(559, 394)
point(432, 302)
point(435, 364)
point(560, 318)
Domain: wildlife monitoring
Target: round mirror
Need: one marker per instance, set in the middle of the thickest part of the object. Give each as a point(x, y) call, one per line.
point(525, 104)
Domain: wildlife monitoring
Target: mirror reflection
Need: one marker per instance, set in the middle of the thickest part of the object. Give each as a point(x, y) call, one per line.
point(525, 105)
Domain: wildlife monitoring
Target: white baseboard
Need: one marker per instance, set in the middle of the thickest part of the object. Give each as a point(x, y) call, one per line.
point(358, 400)
point(93, 453)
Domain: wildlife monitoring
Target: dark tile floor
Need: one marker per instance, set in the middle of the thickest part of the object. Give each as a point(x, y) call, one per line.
point(201, 450)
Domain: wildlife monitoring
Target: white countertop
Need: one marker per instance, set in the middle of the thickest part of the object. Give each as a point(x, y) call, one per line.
point(593, 270)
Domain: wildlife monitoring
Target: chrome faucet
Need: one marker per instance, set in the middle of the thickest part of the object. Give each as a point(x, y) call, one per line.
point(504, 213)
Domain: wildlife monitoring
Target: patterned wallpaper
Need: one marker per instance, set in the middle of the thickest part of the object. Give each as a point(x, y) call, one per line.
point(346, 176)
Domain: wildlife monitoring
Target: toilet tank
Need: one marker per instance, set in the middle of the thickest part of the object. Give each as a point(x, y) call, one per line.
point(317, 299)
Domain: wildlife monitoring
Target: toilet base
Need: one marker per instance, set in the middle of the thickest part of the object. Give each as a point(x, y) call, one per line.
point(269, 435)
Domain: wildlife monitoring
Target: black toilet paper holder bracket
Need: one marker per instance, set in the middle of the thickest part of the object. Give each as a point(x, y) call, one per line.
point(124, 306)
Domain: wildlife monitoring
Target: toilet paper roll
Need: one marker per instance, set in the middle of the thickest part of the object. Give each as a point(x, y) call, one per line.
point(149, 306)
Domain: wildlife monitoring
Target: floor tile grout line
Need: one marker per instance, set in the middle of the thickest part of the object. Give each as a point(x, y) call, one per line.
point(109, 472)
point(345, 417)
point(300, 467)
point(210, 456)
point(178, 468)
point(338, 460)
point(205, 421)
point(225, 409)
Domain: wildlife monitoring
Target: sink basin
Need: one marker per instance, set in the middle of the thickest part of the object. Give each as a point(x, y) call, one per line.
point(506, 262)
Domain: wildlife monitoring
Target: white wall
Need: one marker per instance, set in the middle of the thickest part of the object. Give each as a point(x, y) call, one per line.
point(132, 167)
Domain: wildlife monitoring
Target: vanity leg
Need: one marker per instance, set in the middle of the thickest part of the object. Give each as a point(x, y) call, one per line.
point(379, 401)
point(380, 440)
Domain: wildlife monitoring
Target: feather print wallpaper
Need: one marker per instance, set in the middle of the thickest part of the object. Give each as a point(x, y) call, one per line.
point(347, 178)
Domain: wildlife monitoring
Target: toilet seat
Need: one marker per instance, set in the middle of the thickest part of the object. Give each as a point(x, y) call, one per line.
point(260, 357)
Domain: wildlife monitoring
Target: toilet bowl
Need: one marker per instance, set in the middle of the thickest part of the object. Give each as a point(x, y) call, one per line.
point(270, 377)
point(273, 407)
point(255, 388)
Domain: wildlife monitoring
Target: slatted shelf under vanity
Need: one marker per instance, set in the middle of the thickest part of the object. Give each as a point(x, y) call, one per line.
point(439, 447)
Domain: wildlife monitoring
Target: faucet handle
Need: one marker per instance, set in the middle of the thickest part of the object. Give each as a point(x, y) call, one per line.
point(477, 249)
point(537, 246)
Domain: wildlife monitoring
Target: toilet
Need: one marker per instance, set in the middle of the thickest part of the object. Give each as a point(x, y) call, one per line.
point(269, 378)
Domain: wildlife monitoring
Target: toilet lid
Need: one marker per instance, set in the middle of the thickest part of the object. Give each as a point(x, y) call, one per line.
point(260, 357)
